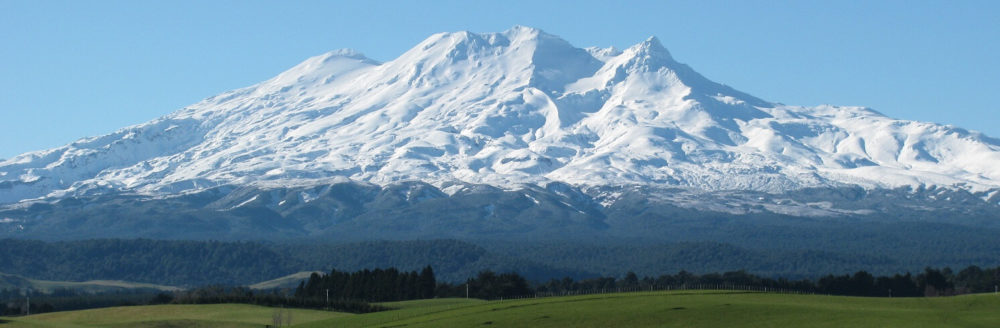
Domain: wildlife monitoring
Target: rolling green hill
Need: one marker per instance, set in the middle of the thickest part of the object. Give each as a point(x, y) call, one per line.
point(642, 309)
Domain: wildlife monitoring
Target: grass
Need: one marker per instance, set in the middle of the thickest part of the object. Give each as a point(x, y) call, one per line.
point(213, 315)
point(644, 309)
point(692, 309)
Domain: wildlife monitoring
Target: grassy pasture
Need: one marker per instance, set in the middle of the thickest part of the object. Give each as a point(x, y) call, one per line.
point(641, 309)
point(214, 315)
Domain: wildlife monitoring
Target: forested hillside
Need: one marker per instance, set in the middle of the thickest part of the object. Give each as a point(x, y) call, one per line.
point(197, 263)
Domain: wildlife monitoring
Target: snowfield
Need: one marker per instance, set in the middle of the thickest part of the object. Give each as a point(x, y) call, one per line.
point(508, 109)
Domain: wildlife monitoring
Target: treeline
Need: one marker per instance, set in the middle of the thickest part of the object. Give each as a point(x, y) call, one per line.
point(352, 291)
point(387, 285)
point(931, 282)
point(488, 285)
point(379, 285)
point(14, 301)
point(273, 298)
point(202, 263)
point(337, 290)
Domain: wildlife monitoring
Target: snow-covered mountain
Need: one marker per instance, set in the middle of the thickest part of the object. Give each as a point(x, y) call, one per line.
point(520, 107)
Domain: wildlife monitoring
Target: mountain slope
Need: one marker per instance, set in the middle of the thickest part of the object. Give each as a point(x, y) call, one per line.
point(508, 109)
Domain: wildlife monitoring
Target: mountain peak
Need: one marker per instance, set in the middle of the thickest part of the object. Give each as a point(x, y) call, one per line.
point(653, 43)
point(347, 53)
point(523, 31)
point(505, 109)
point(324, 66)
point(652, 47)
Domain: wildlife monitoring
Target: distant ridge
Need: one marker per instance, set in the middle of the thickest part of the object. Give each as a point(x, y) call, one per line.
point(11, 281)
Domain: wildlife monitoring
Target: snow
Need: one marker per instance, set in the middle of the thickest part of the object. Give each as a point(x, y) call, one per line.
point(520, 107)
point(244, 203)
point(533, 199)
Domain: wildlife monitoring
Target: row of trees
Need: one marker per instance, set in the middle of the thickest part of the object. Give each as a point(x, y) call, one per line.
point(930, 282)
point(488, 285)
point(273, 298)
point(379, 285)
point(392, 285)
point(351, 291)
point(200, 263)
point(15, 301)
point(14, 308)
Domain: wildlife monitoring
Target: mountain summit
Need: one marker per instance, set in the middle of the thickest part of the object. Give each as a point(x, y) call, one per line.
point(510, 109)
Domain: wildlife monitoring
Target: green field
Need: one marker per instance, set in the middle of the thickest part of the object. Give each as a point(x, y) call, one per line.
point(214, 315)
point(644, 309)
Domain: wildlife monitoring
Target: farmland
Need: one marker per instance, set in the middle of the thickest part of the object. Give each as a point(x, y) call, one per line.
point(638, 309)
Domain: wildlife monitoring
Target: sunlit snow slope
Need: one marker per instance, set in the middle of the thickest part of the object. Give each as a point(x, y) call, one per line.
point(506, 109)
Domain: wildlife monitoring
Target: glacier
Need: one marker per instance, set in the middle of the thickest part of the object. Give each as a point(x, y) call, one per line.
point(511, 110)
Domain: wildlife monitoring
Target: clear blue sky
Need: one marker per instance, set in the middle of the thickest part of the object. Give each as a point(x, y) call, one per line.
point(71, 69)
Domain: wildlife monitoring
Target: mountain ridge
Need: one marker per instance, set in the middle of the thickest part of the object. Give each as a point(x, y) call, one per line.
point(509, 109)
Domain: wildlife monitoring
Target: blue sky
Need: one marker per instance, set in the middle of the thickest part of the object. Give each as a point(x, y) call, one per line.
point(71, 69)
